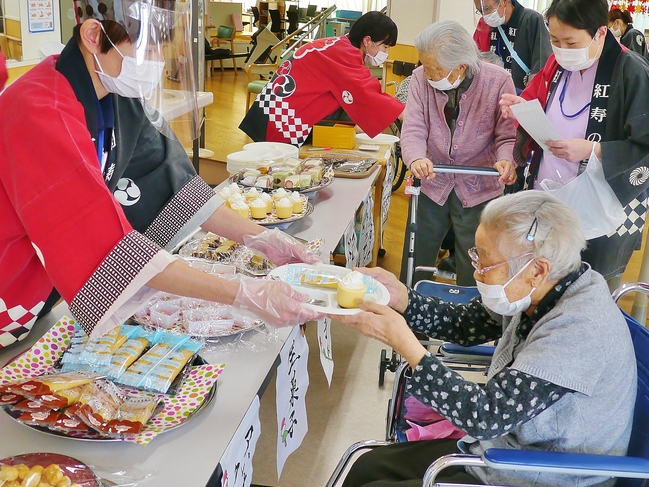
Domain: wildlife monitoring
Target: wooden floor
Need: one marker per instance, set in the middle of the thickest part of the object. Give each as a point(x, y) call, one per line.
point(223, 137)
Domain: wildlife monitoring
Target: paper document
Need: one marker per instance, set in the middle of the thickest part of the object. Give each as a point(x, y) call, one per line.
point(535, 122)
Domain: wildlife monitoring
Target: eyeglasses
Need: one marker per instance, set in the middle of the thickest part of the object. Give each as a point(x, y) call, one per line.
point(487, 10)
point(475, 261)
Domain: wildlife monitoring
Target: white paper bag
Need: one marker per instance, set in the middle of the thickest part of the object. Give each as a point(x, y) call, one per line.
point(592, 198)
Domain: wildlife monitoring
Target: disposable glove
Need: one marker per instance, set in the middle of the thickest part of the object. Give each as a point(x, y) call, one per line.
point(274, 302)
point(280, 248)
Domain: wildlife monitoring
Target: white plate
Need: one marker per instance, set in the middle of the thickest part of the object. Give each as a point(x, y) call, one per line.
point(379, 294)
point(387, 139)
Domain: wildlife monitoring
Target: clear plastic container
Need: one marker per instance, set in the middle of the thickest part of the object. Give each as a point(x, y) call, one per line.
point(165, 314)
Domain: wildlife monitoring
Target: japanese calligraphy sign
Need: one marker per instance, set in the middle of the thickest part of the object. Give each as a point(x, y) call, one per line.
point(291, 386)
point(236, 463)
point(324, 344)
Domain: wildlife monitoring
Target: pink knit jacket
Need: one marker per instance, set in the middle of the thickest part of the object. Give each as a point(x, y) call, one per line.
point(482, 136)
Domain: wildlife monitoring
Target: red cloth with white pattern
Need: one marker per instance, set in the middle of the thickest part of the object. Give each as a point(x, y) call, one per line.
point(319, 78)
point(54, 204)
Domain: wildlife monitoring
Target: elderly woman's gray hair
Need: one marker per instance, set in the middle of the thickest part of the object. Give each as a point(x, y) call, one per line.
point(451, 45)
point(534, 221)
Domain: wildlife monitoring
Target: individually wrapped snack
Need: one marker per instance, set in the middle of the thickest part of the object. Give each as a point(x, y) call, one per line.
point(70, 425)
point(308, 276)
point(128, 353)
point(78, 341)
point(39, 418)
point(98, 404)
point(132, 415)
point(9, 398)
point(48, 384)
point(30, 405)
point(157, 369)
point(60, 399)
point(101, 349)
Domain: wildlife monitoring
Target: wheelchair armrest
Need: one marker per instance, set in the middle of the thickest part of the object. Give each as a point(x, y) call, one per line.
point(569, 463)
point(449, 348)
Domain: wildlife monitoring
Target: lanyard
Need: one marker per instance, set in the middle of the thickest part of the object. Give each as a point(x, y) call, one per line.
point(562, 96)
point(513, 53)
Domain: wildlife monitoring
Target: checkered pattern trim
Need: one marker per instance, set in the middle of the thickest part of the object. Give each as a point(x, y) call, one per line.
point(16, 322)
point(636, 212)
point(109, 281)
point(179, 210)
point(281, 114)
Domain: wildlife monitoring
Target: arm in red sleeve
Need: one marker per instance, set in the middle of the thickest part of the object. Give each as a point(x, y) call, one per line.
point(49, 168)
point(357, 91)
point(3, 71)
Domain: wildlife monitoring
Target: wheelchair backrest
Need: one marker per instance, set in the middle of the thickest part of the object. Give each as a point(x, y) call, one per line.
point(639, 444)
point(447, 292)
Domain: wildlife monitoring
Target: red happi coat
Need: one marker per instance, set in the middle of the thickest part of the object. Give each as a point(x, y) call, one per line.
point(60, 225)
point(317, 80)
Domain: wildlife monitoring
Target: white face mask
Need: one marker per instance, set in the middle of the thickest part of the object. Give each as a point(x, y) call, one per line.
point(379, 58)
point(133, 81)
point(616, 32)
point(495, 298)
point(444, 84)
point(574, 59)
point(494, 19)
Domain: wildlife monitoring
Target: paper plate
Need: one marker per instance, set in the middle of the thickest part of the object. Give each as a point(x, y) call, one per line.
point(379, 294)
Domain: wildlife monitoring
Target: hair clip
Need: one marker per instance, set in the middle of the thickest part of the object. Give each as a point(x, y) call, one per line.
point(531, 233)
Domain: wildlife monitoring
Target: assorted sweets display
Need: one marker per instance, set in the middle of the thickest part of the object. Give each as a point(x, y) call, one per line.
point(192, 317)
point(222, 250)
point(263, 207)
point(294, 174)
point(108, 387)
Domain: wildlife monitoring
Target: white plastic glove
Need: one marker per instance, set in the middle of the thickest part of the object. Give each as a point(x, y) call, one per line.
point(280, 248)
point(275, 303)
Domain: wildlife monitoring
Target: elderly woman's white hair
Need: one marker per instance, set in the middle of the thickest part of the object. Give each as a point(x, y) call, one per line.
point(534, 221)
point(451, 45)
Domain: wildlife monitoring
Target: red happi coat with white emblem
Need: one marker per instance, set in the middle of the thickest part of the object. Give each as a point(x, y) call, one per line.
point(60, 224)
point(317, 80)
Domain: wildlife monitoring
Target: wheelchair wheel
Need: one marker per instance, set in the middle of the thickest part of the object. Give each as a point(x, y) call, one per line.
point(383, 366)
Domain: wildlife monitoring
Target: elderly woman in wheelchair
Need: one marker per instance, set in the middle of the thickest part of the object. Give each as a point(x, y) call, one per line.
point(563, 376)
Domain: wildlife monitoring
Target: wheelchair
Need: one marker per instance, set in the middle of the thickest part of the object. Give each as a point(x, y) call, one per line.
point(631, 470)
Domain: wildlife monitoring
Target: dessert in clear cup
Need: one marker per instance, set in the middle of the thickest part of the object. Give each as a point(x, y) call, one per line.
point(252, 194)
point(240, 207)
point(280, 193)
point(258, 208)
point(268, 199)
point(284, 208)
point(298, 202)
point(351, 290)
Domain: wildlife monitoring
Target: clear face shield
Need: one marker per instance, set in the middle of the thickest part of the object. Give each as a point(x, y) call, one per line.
point(158, 57)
